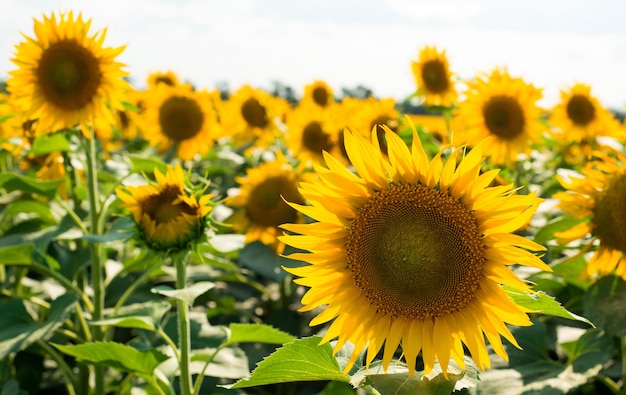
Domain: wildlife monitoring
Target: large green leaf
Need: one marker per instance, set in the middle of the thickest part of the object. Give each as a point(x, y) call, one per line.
point(15, 182)
point(301, 360)
point(147, 165)
point(47, 143)
point(32, 208)
point(116, 355)
point(542, 303)
point(122, 229)
point(146, 316)
point(256, 333)
point(605, 305)
point(17, 254)
point(18, 330)
point(560, 224)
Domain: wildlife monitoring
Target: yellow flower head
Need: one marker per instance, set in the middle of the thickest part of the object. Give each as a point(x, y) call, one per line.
point(579, 117)
point(434, 78)
point(310, 131)
point(167, 216)
point(65, 76)
point(168, 78)
point(501, 106)
point(599, 200)
point(181, 117)
point(318, 93)
point(413, 252)
point(261, 202)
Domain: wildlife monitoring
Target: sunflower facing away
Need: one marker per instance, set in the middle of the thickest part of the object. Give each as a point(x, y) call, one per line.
point(599, 198)
point(579, 116)
point(181, 117)
point(434, 78)
point(167, 216)
point(501, 106)
point(261, 202)
point(412, 252)
point(65, 76)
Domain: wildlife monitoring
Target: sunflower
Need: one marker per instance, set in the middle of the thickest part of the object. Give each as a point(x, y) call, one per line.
point(319, 93)
point(501, 106)
point(167, 216)
point(434, 78)
point(181, 117)
point(435, 125)
point(65, 76)
point(578, 119)
point(599, 200)
point(261, 201)
point(413, 253)
point(374, 114)
point(168, 78)
point(310, 131)
point(253, 116)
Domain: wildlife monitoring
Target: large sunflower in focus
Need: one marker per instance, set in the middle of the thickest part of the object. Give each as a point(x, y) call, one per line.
point(65, 76)
point(181, 117)
point(434, 78)
point(599, 199)
point(168, 216)
point(412, 252)
point(501, 106)
point(260, 203)
point(580, 118)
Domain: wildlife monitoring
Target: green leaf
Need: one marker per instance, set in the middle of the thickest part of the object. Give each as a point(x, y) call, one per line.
point(594, 347)
point(15, 182)
point(146, 316)
point(542, 303)
point(301, 360)
point(17, 254)
point(256, 333)
point(32, 207)
point(397, 380)
point(18, 330)
point(187, 294)
point(116, 355)
point(122, 229)
point(47, 143)
point(264, 261)
point(605, 305)
point(147, 165)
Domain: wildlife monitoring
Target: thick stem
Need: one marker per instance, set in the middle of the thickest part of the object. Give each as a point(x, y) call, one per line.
point(623, 344)
point(97, 275)
point(184, 334)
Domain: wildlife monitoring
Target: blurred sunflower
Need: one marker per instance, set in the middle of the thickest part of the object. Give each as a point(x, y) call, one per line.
point(413, 253)
point(167, 216)
point(578, 119)
point(435, 125)
point(66, 77)
point(181, 117)
point(261, 202)
point(319, 93)
point(376, 113)
point(310, 130)
point(253, 116)
point(501, 106)
point(434, 78)
point(168, 78)
point(599, 200)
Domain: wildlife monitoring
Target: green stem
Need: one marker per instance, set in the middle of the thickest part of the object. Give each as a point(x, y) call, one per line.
point(184, 334)
point(68, 374)
point(198, 384)
point(169, 342)
point(72, 214)
point(623, 346)
point(97, 275)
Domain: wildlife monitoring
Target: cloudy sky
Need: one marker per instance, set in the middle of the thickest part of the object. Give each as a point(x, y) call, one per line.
point(550, 43)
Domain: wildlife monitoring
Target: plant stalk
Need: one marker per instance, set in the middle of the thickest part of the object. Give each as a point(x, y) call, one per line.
point(184, 333)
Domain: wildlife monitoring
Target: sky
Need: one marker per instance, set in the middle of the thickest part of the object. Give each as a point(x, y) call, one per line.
point(550, 43)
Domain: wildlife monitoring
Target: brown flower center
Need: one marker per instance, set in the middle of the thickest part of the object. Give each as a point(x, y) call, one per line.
point(320, 96)
point(265, 205)
point(435, 77)
point(69, 75)
point(165, 207)
point(180, 118)
point(314, 138)
point(415, 252)
point(164, 79)
point(581, 110)
point(609, 215)
point(254, 113)
point(504, 117)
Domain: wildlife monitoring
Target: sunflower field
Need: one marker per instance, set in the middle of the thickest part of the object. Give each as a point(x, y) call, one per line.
point(178, 240)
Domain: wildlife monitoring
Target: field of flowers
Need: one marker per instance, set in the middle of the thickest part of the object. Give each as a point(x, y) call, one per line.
point(178, 240)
